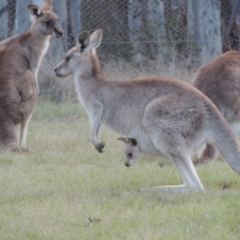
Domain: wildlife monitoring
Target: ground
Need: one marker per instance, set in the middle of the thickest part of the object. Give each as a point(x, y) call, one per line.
point(64, 189)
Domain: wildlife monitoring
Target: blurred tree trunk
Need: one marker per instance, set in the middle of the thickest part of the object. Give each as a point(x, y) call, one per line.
point(176, 30)
point(194, 32)
point(204, 27)
point(173, 18)
point(136, 24)
point(59, 46)
point(211, 29)
point(60, 8)
point(146, 24)
point(74, 20)
point(231, 33)
point(156, 23)
point(11, 16)
point(22, 18)
point(238, 30)
point(191, 15)
point(3, 20)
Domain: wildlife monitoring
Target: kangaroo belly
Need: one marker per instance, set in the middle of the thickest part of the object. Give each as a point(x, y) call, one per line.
point(18, 111)
point(122, 119)
point(17, 100)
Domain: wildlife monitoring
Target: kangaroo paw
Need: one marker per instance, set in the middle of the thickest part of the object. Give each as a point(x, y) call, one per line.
point(100, 147)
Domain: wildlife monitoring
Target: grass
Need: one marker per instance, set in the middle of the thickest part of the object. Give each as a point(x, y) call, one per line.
point(52, 191)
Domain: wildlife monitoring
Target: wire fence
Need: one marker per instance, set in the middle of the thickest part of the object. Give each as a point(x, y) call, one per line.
point(176, 31)
point(152, 28)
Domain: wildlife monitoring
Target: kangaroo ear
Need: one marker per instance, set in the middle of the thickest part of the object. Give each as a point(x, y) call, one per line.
point(47, 5)
point(96, 38)
point(133, 141)
point(123, 139)
point(34, 10)
point(83, 41)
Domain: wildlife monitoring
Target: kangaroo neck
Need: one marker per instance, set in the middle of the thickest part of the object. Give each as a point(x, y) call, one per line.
point(91, 78)
point(37, 47)
point(86, 87)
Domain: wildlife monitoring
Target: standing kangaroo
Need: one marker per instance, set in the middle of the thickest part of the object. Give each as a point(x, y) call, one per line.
point(165, 115)
point(20, 58)
point(219, 80)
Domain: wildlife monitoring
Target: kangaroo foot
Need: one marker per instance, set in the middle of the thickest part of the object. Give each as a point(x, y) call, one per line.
point(26, 150)
point(13, 147)
point(100, 147)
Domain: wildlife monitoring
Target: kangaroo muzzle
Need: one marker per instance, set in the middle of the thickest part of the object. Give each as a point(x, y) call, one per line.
point(59, 32)
point(57, 72)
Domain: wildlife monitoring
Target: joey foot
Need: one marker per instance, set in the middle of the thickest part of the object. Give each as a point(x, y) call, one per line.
point(209, 154)
point(100, 147)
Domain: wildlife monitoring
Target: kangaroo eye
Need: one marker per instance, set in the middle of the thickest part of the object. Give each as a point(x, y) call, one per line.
point(48, 23)
point(130, 155)
point(67, 59)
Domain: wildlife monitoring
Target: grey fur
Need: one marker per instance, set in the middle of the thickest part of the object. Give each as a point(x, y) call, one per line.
point(165, 115)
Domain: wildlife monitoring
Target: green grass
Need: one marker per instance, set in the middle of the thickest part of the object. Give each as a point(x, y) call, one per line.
point(50, 192)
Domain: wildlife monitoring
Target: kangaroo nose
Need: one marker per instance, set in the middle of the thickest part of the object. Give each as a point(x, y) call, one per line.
point(60, 34)
point(56, 72)
point(127, 164)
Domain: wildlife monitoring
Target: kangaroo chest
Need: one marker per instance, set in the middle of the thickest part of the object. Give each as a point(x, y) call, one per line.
point(36, 55)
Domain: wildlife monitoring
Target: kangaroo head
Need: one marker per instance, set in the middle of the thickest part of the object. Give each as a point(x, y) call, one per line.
point(45, 21)
point(80, 59)
point(132, 150)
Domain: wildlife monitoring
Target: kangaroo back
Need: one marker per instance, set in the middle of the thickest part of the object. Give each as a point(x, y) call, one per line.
point(219, 81)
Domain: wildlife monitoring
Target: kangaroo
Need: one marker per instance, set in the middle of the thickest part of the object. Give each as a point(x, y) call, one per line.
point(20, 58)
point(165, 115)
point(219, 80)
point(132, 150)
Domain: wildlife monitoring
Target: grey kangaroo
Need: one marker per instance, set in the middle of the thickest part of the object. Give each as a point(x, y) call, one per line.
point(165, 115)
point(20, 58)
point(219, 80)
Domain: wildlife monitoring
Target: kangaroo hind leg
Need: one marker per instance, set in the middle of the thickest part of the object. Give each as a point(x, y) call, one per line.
point(174, 127)
point(23, 132)
point(191, 181)
point(173, 131)
point(29, 93)
point(187, 170)
point(7, 136)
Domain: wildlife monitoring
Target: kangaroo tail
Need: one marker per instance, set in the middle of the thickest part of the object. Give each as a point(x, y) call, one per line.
point(224, 140)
